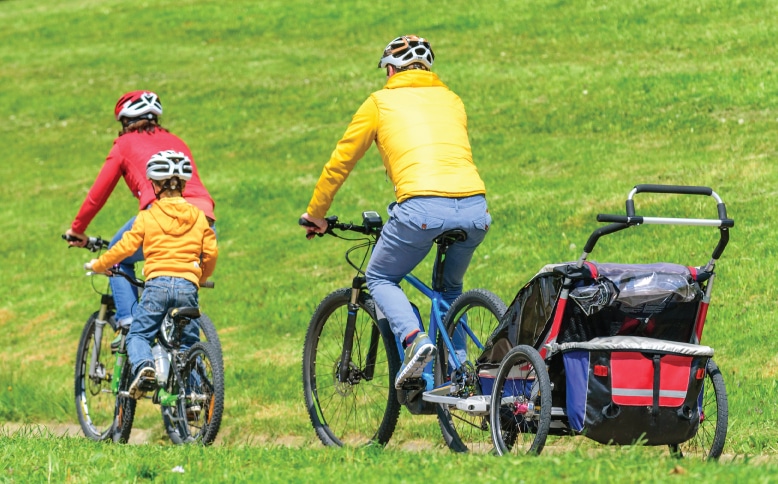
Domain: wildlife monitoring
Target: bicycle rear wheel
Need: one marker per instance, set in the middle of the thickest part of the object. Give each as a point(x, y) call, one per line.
point(197, 417)
point(364, 408)
point(479, 311)
point(520, 414)
point(207, 333)
point(96, 404)
point(708, 442)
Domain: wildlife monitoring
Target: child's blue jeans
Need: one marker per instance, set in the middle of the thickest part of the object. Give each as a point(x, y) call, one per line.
point(160, 295)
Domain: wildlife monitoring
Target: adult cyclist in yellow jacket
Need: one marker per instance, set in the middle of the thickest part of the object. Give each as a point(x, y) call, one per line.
point(420, 129)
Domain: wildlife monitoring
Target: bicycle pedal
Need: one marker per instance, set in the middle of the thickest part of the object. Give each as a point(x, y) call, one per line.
point(193, 413)
point(115, 344)
point(414, 384)
point(147, 385)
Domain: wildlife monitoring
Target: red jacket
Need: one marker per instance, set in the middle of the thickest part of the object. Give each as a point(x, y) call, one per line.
point(127, 160)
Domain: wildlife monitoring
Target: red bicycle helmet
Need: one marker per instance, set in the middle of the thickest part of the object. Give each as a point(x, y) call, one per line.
point(138, 104)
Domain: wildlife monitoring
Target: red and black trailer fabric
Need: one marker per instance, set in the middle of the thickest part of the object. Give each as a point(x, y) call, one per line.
point(621, 389)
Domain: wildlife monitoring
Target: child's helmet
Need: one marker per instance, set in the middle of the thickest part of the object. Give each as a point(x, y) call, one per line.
point(406, 50)
point(137, 104)
point(168, 164)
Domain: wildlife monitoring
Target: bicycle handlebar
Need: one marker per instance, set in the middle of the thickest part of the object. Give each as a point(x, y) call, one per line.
point(93, 244)
point(96, 244)
point(116, 272)
point(371, 225)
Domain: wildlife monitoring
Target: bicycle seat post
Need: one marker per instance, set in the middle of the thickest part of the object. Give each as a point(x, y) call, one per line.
point(444, 241)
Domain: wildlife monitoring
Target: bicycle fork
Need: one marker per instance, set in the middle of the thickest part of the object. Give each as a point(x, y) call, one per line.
point(346, 367)
point(97, 371)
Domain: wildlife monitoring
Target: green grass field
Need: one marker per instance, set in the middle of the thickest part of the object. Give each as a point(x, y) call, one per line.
point(570, 103)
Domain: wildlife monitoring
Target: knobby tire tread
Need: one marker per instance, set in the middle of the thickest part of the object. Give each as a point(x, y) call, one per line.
point(325, 318)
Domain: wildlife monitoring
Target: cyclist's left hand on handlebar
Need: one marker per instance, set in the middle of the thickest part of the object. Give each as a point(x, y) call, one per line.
point(89, 267)
point(76, 239)
point(314, 226)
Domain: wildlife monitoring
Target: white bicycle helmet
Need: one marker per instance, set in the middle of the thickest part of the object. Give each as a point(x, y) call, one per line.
point(168, 164)
point(138, 104)
point(406, 50)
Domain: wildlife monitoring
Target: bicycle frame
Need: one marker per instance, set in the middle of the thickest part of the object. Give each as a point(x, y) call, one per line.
point(438, 309)
point(437, 313)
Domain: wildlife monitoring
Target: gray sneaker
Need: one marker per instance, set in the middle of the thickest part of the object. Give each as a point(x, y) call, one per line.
point(145, 381)
point(417, 355)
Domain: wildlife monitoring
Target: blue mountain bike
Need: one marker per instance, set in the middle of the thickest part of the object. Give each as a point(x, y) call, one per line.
point(351, 356)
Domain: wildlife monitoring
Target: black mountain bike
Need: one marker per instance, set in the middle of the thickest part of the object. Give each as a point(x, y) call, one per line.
point(191, 398)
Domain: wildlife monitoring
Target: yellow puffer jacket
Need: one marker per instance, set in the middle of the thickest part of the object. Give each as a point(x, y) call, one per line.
point(176, 238)
point(420, 129)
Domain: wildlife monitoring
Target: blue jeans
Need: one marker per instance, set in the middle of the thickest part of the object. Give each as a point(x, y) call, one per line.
point(405, 241)
point(160, 294)
point(125, 295)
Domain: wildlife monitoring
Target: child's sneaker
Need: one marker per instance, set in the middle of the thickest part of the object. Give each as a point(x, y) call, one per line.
point(145, 381)
point(417, 355)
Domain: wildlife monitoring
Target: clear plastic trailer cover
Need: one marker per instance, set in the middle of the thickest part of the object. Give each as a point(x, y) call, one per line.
point(636, 288)
point(634, 291)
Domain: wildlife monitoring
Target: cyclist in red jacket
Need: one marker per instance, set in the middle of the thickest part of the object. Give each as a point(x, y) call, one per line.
point(140, 138)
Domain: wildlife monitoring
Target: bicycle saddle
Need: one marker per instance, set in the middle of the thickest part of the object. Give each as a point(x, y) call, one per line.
point(185, 312)
point(451, 236)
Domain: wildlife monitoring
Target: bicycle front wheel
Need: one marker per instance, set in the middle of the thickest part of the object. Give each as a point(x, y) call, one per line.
point(520, 414)
point(362, 408)
point(469, 322)
point(708, 442)
point(124, 412)
point(95, 400)
point(198, 416)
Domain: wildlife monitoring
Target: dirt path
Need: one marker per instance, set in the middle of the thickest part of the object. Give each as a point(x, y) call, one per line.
point(138, 436)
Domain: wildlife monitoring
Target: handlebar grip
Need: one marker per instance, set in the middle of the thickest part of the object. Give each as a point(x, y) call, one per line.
point(677, 189)
point(619, 219)
point(207, 284)
point(305, 223)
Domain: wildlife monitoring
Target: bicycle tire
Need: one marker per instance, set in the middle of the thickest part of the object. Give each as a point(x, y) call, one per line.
point(207, 333)
point(210, 335)
point(124, 414)
point(714, 414)
point(522, 379)
point(365, 409)
point(94, 399)
point(482, 310)
point(197, 418)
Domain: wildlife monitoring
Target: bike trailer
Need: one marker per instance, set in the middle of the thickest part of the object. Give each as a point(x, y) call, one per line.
point(628, 367)
point(625, 387)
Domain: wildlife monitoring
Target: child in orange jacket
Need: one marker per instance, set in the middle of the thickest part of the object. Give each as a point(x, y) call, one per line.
point(180, 251)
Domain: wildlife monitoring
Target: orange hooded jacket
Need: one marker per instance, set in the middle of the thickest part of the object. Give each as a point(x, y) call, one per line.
point(176, 239)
